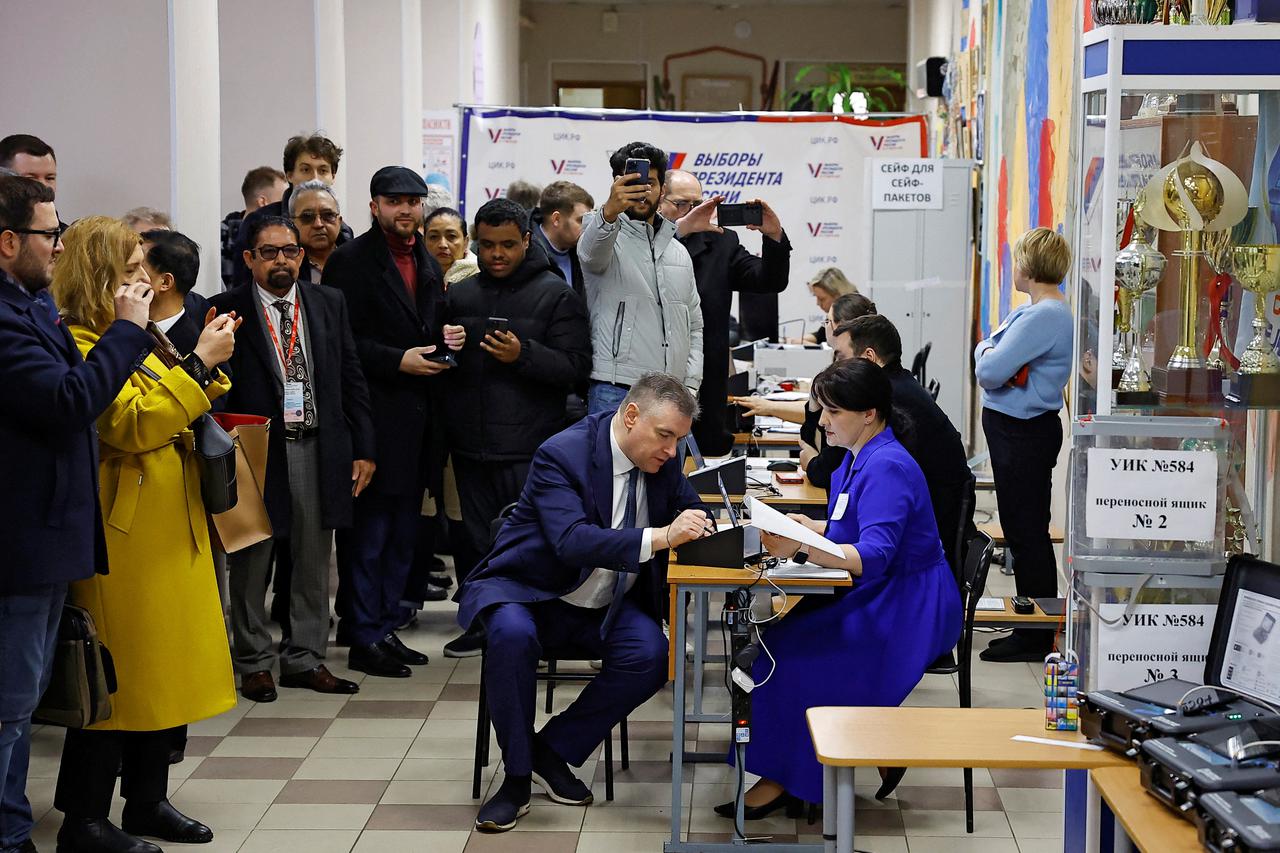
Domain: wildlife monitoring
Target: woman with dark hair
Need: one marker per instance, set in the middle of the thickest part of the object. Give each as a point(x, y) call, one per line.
point(446, 240)
point(867, 645)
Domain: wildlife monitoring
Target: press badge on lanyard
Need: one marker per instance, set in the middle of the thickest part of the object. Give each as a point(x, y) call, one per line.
point(842, 503)
point(293, 396)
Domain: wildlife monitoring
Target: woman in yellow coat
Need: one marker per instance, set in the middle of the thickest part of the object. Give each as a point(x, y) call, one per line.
point(158, 611)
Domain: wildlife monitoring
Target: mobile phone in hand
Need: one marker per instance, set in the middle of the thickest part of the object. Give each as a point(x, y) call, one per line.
point(441, 358)
point(733, 215)
point(637, 166)
point(1020, 378)
point(497, 324)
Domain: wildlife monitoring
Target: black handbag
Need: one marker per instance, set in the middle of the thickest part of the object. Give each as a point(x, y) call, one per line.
point(215, 448)
point(82, 678)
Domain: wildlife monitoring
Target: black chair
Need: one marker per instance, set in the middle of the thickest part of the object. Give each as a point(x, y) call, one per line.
point(967, 499)
point(934, 388)
point(919, 364)
point(550, 677)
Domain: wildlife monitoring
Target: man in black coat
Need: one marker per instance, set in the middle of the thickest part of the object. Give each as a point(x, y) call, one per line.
point(395, 293)
point(931, 439)
point(507, 394)
point(50, 518)
point(296, 363)
point(172, 261)
point(721, 266)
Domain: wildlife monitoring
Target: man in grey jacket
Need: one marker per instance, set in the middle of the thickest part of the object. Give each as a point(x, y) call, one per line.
point(645, 311)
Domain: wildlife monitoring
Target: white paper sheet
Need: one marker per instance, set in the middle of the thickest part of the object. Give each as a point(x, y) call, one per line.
point(787, 396)
point(806, 571)
point(769, 520)
point(785, 429)
point(990, 603)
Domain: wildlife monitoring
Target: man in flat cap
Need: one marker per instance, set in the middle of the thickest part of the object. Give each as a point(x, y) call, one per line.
point(395, 296)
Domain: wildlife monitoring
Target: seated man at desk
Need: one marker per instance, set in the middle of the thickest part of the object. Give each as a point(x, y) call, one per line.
point(581, 564)
point(870, 644)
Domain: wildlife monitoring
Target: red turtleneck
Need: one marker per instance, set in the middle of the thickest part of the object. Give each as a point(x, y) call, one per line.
point(406, 263)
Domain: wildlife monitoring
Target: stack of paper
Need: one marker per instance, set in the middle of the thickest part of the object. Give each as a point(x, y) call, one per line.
point(768, 519)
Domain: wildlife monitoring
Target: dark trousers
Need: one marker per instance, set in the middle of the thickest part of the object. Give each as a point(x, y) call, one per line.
point(87, 775)
point(519, 635)
point(374, 558)
point(1023, 454)
point(28, 632)
point(484, 488)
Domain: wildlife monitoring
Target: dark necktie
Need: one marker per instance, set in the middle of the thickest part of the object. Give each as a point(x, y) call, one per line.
point(620, 584)
point(295, 366)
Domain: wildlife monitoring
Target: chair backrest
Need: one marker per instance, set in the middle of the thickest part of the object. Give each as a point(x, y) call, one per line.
point(495, 526)
point(934, 389)
point(918, 364)
point(967, 499)
point(977, 563)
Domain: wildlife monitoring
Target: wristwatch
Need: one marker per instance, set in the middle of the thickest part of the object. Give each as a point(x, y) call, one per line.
point(800, 556)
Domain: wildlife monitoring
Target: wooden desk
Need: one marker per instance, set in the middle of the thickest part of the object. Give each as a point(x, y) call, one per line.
point(777, 440)
point(699, 582)
point(1008, 619)
point(996, 532)
point(845, 738)
point(803, 497)
point(1147, 823)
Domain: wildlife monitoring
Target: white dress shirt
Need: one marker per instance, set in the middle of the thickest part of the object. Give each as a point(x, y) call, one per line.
point(267, 299)
point(169, 322)
point(597, 590)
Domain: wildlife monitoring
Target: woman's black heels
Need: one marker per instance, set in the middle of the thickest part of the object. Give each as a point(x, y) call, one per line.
point(794, 808)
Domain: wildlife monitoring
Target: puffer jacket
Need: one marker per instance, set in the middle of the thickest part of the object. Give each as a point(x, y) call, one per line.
point(645, 311)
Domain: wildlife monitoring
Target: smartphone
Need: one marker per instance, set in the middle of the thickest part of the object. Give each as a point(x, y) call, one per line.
point(637, 166)
point(442, 358)
point(740, 214)
point(497, 324)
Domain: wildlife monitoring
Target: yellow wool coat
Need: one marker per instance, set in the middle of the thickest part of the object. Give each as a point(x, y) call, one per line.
point(158, 611)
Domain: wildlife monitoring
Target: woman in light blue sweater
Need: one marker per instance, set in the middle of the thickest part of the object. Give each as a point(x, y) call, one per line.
point(1022, 369)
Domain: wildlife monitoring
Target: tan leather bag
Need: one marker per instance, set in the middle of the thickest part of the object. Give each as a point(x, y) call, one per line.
point(246, 523)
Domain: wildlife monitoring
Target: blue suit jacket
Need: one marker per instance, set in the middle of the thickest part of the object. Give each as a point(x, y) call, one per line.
point(50, 519)
point(560, 530)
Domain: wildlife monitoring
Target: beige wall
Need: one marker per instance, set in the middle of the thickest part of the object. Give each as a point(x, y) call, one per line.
point(572, 34)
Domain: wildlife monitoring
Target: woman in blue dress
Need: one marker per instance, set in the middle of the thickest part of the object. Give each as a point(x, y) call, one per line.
point(870, 644)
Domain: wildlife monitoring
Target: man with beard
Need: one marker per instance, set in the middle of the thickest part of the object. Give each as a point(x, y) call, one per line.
point(394, 292)
point(645, 312)
point(50, 520)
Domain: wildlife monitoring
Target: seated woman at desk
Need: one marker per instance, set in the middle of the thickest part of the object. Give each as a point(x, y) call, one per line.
point(867, 645)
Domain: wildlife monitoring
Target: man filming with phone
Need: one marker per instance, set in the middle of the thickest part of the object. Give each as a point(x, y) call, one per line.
point(645, 311)
point(721, 266)
point(528, 343)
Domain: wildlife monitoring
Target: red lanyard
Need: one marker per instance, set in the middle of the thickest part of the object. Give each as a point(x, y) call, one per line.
point(293, 335)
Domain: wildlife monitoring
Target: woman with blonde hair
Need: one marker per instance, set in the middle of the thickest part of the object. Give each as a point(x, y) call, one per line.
point(158, 611)
point(827, 286)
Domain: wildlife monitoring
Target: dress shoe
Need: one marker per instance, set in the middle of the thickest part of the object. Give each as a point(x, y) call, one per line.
point(467, 645)
point(98, 835)
point(890, 777)
point(398, 650)
point(320, 679)
point(258, 686)
point(794, 808)
point(439, 579)
point(373, 659)
point(509, 804)
point(553, 775)
point(161, 820)
point(1018, 647)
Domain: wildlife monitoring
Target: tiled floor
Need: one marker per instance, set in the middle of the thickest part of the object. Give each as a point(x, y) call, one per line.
point(389, 770)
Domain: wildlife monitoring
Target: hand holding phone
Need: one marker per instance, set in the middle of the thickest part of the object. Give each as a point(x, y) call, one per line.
point(637, 166)
point(736, 215)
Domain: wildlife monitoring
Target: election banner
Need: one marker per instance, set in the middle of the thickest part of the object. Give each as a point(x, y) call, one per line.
point(809, 168)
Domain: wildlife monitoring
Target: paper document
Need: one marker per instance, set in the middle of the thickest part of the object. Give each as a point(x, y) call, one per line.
point(806, 571)
point(1051, 742)
point(766, 422)
point(768, 519)
point(712, 464)
point(785, 429)
point(990, 602)
point(787, 396)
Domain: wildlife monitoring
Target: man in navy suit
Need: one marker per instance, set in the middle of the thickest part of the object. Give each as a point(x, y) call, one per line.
point(50, 519)
point(581, 564)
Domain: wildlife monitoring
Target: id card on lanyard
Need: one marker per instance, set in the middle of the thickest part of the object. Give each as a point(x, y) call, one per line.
point(293, 395)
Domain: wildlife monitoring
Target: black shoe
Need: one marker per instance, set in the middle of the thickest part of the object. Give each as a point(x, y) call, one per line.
point(1018, 648)
point(98, 835)
point(439, 579)
point(373, 659)
point(794, 808)
point(467, 645)
point(892, 776)
point(398, 650)
point(504, 808)
point(552, 773)
point(944, 664)
point(161, 820)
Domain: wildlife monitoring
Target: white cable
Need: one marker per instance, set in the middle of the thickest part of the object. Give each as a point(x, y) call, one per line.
point(1244, 696)
point(1238, 753)
point(1129, 607)
point(773, 664)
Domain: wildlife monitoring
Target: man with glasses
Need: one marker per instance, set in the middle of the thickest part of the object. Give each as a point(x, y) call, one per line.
point(395, 292)
point(50, 520)
point(314, 209)
point(721, 266)
point(295, 363)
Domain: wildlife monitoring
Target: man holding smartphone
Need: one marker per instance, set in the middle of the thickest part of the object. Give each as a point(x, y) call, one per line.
point(528, 344)
point(645, 311)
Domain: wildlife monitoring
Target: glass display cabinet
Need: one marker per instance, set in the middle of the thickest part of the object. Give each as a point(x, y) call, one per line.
point(1175, 287)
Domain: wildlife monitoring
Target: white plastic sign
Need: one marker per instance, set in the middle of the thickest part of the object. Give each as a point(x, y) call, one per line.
point(1164, 495)
point(906, 184)
point(1154, 642)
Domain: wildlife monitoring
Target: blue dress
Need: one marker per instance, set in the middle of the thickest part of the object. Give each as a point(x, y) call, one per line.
point(868, 645)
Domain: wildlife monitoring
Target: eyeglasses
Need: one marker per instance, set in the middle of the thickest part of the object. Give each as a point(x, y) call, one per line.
point(307, 217)
point(682, 206)
point(55, 233)
point(268, 253)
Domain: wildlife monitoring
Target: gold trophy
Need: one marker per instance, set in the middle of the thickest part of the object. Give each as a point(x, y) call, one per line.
point(1192, 195)
point(1257, 268)
point(1139, 267)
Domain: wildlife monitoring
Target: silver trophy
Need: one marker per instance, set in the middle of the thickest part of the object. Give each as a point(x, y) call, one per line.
point(1139, 267)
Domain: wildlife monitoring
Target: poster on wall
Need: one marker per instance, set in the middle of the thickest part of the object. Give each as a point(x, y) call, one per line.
point(440, 144)
point(809, 168)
